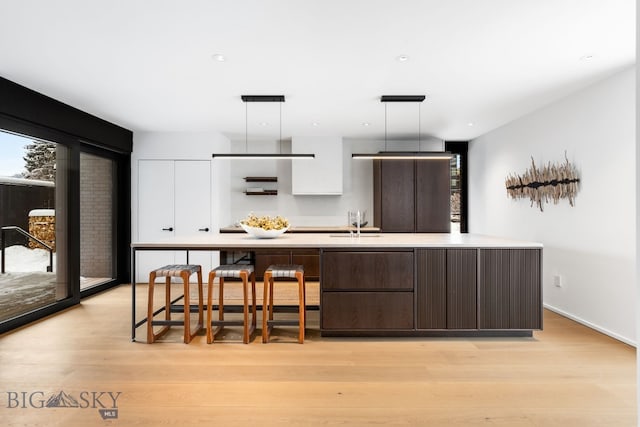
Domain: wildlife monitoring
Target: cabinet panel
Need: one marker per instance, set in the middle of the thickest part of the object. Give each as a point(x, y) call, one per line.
point(310, 261)
point(367, 310)
point(433, 196)
point(525, 292)
point(174, 199)
point(397, 196)
point(494, 289)
point(155, 213)
point(192, 207)
point(367, 270)
point(461, 288)
point(265, 259)
point(510, 289)
point(412, 195)
point(432, 289)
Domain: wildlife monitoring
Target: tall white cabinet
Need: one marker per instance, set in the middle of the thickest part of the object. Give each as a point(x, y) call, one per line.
point(174, 200)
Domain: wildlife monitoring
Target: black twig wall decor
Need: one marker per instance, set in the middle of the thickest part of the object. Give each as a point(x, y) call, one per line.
point(552, 182)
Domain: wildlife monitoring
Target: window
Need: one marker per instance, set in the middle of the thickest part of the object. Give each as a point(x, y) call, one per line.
point(458, 185)
point(33, 224)
point(96, 220)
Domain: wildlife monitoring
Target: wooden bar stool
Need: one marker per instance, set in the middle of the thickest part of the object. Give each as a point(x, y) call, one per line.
point(243, 272)
point(168, 271)
point(283, 272)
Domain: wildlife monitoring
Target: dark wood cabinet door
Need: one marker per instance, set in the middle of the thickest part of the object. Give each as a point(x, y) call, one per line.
point(310, 260)
point(431, 291)
point(367, 270)
point(397, 196)
point(525, 299)
point(265, 259)
point(494, 289)
point(461, 288)
point(433, 196)
point(367, 310)
point(510, 294)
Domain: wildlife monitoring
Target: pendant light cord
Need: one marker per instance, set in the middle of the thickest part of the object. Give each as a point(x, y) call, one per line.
point(246, 127)
point(280, 139)
point(419, 129)
point(385, 126)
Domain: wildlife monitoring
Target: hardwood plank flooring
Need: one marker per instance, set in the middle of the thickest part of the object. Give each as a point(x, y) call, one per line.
point(566, 375)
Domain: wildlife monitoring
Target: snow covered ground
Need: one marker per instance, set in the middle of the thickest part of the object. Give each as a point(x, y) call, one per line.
point(22, 259)
point(26, 285)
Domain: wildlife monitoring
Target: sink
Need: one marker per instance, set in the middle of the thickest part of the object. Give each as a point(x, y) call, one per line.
point(354, 236)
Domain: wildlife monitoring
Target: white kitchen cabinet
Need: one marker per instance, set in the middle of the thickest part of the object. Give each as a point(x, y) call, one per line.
point(174, 200)
point(321, 175)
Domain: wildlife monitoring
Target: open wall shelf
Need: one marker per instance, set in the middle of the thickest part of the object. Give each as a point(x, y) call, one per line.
point(261, 192)
point(261, 179)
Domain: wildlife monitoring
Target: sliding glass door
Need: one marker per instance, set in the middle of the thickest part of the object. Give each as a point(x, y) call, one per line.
point(33, 224)
point(97, 259)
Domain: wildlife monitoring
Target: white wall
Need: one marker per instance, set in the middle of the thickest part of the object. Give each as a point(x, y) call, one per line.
point(592, 246)
point(184, 146)
point(311, 210)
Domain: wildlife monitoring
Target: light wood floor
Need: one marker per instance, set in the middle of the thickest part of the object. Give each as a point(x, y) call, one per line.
point(567, 375)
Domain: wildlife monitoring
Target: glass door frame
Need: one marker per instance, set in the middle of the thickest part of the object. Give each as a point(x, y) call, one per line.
point(120, 230)
point(121, 215)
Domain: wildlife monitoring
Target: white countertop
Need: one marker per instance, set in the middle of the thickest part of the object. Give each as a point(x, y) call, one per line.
point(331, 240)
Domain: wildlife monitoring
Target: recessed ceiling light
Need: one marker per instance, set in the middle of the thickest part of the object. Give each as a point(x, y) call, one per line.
point(365, 124)
point(470, 124)
point(316, 124)
point(402, 58)
point(263, 123)
point(219, 57)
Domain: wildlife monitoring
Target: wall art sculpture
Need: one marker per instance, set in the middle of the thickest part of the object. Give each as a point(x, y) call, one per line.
point(551, 182)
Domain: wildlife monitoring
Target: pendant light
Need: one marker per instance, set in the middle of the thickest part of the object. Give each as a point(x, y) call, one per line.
point(246, 155)
point(401, 155)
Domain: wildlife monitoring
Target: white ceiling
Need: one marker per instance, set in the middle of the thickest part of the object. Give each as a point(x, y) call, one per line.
point(147, 65)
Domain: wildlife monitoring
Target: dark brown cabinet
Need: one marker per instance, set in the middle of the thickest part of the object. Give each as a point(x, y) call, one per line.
point(431, 291)
point(367, 270)
point(367, 290)
point(367, 310)
point(509, 286)
point(412, 196)
point(446, 288)
point(309, 259)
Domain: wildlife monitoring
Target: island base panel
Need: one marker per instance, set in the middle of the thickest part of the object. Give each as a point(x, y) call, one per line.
point(366, 310)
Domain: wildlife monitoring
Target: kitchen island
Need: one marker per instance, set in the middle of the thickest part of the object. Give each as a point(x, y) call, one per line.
point(405, 284)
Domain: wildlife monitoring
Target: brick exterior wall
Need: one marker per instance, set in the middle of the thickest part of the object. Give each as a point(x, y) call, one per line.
point(96, 210)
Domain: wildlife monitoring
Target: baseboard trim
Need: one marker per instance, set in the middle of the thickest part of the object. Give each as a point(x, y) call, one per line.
point(591, 325)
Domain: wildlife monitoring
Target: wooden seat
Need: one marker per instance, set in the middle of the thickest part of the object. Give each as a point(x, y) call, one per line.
point(168, 271)
point(243, 272)
point(289, 273)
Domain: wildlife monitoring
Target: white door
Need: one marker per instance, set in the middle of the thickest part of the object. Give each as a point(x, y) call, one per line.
point(155, 213)
point(193, 207)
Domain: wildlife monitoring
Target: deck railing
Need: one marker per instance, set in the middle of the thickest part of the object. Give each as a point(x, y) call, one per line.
point(3, 231)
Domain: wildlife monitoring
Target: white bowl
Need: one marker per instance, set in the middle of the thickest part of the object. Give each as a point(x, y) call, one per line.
point(261, 233)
